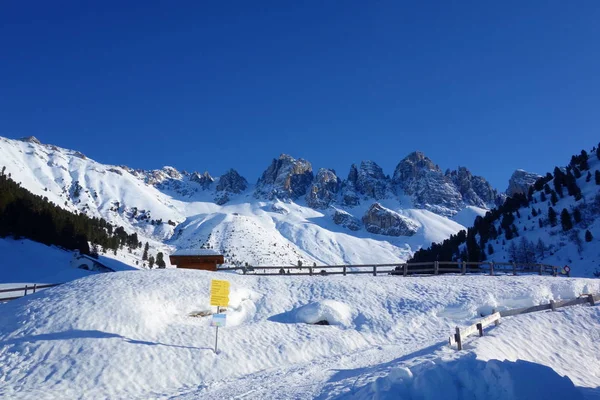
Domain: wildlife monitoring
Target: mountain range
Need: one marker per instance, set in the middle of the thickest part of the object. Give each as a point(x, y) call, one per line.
point(290, 214)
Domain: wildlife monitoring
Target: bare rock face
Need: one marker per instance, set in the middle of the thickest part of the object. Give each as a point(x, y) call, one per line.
point(520, 181)
point(232, 182)
point(384, 221)
point(324, 189)
point(30, 139)
point(346, 220)
point(285, 178)
point(475, 190)
point(204, 180)
point(416, 175)
point(365, 181)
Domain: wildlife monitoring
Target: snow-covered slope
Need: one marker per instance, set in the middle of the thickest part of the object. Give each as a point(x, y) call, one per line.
point(552, 244)
point(556, 222)
point(130, 335)
point(271, 223)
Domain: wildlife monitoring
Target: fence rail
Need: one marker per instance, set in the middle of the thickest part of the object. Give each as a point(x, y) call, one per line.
point(27, 289)
point(462, 333)
point(405, 269)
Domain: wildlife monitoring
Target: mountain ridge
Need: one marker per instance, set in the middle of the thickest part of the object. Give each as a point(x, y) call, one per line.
point(290, 214)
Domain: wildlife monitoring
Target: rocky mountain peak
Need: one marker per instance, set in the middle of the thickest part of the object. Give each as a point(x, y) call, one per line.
point(366, 181)
point(232, 182)
point(475, 190)
point(30, 139)
point(285, 178)
point(520, 181)
point(324, 189)
point(204, 180)
point(413, 166)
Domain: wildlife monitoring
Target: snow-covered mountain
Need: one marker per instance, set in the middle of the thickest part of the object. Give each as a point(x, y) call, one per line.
point(554, 219)
point(290, 214)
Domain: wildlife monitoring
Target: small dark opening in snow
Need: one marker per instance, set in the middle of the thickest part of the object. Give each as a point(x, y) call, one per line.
point(324, 322)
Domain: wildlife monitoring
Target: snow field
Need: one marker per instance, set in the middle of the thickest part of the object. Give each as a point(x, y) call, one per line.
point(129, 334)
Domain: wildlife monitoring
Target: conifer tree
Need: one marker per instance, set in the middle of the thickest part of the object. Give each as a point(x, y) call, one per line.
point(490, 249)
point(552, 216)
point(554, 198)
point(597, 177)
point(565, 220)
point(540, 249)
point(160, 261)
point(577, 215)
point(588, 177)
point(588, 236)
point(151, 262)
point(145, 255)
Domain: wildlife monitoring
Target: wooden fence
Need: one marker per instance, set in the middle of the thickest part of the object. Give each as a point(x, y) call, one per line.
point(463, 333)
point(24, 291)
point(404, 269)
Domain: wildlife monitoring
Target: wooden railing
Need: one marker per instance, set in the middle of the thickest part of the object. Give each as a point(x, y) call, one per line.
point(27, 289)
point(404, 269)
point(463, 333)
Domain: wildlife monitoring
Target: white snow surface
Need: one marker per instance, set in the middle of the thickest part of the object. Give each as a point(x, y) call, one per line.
point(130, 335)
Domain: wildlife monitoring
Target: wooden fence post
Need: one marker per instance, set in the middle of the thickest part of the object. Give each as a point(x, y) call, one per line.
point(496, 322)
point(491, 268)
point(344, 270)
point(310, 271)
point(458, 339)
point(436, 267)
point(25, 290)
point(405, 271)
point(464, 267)
point(541, 267)
point(374, 270)
point(480, 329)
point(34, 287)
point(552, 305)
point(514, 268)
point(591, 299)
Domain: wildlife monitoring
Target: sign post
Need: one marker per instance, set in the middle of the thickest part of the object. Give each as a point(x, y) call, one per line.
point(219, 296)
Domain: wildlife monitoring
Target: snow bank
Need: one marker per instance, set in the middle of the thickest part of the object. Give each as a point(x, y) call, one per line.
point(469, 378)
point(334, 312)
point(129, 334)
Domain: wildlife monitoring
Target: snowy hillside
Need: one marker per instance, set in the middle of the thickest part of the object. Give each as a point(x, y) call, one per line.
point(557, 222)
point(289, 215)
point(140, 335)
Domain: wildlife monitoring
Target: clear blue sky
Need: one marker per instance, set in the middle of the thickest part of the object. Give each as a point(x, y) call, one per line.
point(492, 85)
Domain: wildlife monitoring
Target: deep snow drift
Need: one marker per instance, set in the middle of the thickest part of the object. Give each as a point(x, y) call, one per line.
point(130, 335)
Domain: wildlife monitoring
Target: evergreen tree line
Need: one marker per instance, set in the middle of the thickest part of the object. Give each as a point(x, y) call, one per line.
point(25, 215)
point(470, 245)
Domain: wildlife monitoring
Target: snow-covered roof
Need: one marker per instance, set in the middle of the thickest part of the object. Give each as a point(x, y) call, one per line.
point(195, 252)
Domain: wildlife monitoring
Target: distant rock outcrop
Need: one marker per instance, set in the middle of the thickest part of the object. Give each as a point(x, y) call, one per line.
point(346, 220)
point(286, 178)
point(475, 190)
point(30, 139)
point(365, 181)
point(232, 182)
point(416, 175)
point(520, 181)
point(324, 189)
point(384, 221)
point(204, 180)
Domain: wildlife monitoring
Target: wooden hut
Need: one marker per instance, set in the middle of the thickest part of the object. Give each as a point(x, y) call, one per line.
point(203, 259)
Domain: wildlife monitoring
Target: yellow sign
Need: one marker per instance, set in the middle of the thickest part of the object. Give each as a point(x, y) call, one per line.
point(219, 293)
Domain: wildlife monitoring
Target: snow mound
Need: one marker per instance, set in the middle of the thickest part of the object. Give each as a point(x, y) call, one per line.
point(334, 312)
point(470, 378)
